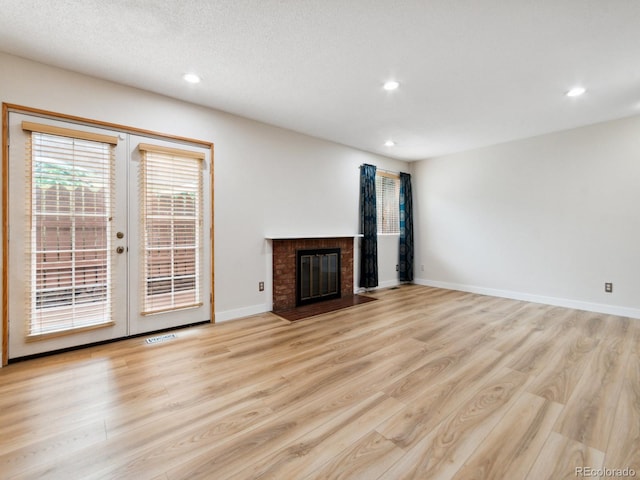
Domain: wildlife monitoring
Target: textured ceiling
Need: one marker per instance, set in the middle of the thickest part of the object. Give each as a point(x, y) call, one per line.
point(472, 73)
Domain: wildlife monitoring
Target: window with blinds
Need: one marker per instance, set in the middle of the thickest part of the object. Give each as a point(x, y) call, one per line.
point(171, 244)
point(388, 203)
point(70, 179)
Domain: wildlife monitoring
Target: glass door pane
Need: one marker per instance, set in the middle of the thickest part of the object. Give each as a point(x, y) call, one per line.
point(71, 203)
point(172, 238)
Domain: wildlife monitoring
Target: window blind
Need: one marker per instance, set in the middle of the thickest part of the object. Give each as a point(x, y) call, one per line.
point(70, 178)
point(171, 182)
point(388, 203)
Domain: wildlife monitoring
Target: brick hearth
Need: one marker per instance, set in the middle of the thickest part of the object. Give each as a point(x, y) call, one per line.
point(284, 266)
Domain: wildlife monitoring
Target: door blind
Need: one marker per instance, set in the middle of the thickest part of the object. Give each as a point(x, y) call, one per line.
point(70, 179)
point(171, 182)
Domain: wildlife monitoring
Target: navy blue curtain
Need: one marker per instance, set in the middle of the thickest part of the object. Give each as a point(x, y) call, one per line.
point(406, 229)
point(368, 227)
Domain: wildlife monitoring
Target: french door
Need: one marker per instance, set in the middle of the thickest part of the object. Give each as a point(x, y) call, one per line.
point(109, 234)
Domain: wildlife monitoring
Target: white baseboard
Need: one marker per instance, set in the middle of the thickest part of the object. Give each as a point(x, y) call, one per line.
point(528, 297)
point(389, 283)
point(381, 285)
point(227, 315)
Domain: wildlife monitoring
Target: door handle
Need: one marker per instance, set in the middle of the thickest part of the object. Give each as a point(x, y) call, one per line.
point(119, 249)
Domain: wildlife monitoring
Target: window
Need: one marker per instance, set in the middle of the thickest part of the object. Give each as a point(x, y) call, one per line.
point(171, 245)
point(388, 203)
point(69, 211)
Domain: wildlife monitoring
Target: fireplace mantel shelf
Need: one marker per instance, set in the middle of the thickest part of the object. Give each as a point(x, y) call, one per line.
point(298, 237)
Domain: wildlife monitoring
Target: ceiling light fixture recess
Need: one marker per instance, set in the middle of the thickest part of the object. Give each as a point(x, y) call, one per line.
point(191, 78)
point(391, 85)
point(389, 143)
point(576, 91)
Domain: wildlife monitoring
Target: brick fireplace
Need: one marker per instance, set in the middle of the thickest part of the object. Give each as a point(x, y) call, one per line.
point(284, 266)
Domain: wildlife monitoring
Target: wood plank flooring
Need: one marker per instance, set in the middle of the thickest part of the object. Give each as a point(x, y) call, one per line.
point(423, 383)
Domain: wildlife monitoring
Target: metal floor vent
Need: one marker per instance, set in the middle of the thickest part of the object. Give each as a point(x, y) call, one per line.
point(161, 338)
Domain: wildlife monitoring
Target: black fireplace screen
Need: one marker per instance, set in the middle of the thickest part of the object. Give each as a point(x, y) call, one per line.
point(317, 275)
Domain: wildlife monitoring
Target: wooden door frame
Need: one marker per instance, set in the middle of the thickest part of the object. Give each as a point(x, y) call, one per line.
point(6, 109)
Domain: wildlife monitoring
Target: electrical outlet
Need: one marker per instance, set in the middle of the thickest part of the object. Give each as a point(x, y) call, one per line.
point(608, 287)
point(397, 268)
point(422, 268)
point(261, 286)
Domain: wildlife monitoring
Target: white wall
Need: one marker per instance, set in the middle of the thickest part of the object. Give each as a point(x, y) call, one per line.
point(268, 181)
point(547, 219)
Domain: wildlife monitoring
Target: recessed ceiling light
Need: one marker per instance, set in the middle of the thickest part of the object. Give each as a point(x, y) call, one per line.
point(389, 143)
point(576, 91)
point(391, 85)
point(191, 78)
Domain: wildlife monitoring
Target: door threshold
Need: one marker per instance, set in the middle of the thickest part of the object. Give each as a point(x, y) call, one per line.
point(103, 342)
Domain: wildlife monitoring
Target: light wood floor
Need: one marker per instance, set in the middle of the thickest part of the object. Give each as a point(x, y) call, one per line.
point(423, 383)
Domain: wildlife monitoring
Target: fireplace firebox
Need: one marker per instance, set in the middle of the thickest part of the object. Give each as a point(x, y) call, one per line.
point(317, 275)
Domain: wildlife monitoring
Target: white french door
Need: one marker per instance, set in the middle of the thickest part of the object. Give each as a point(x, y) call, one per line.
point(106, 239)
point(170, 230)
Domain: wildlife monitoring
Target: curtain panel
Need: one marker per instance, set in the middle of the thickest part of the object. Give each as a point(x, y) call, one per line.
point(406, 229)
point(368, 227)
